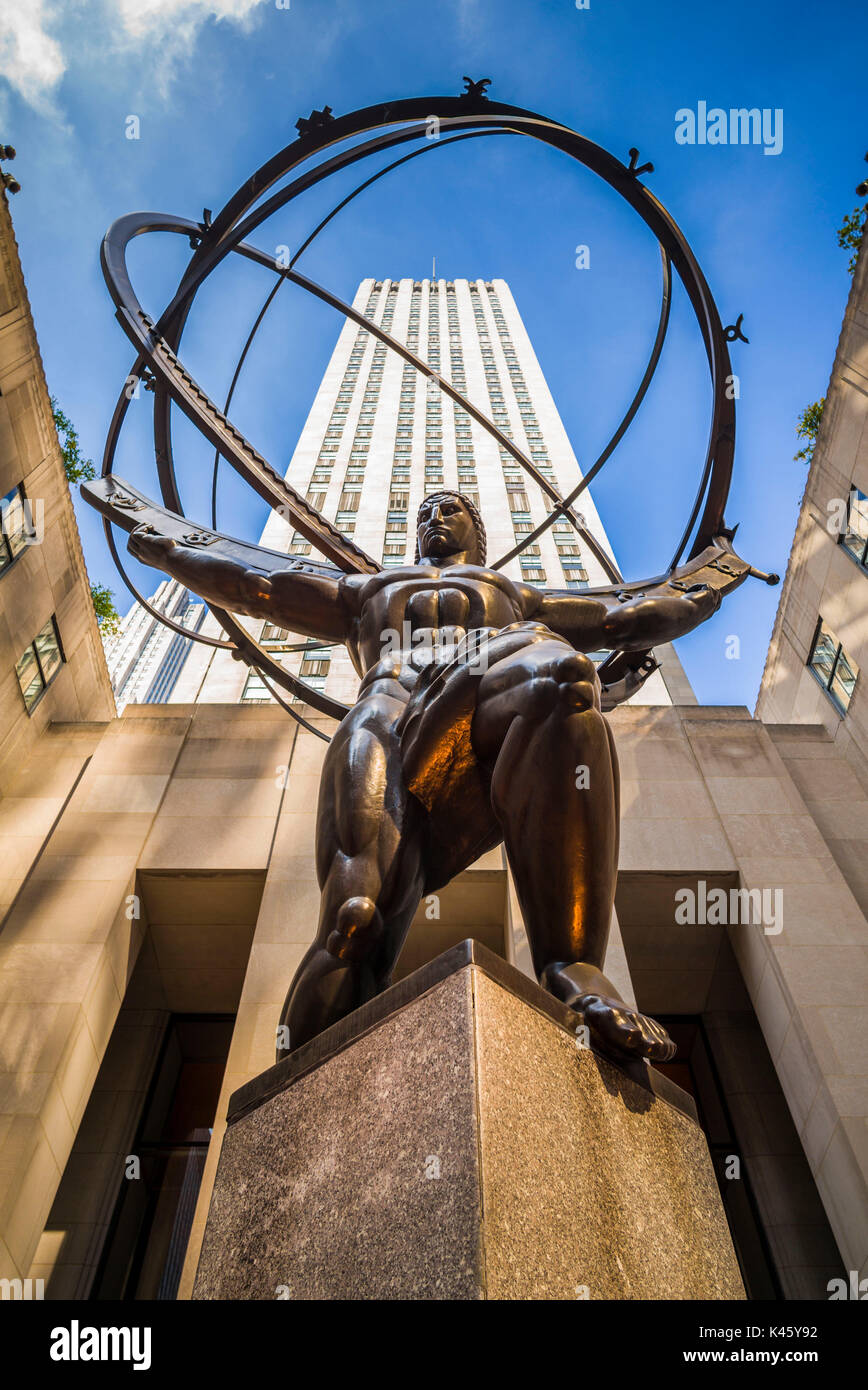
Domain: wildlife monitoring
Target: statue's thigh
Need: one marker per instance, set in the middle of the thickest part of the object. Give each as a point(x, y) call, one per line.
point(362, 795)
point(525, 683)
point(540, 657)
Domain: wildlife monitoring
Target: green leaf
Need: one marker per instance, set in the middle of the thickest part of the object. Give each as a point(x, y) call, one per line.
point(850, 234)
point(808, 427)
point(107, 616)
point(77, 468)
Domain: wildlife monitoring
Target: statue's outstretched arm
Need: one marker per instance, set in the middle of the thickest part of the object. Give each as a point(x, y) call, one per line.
point(592, 624)
point(306, 599)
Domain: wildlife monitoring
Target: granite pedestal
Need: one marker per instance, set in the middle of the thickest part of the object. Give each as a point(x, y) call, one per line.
point(450, 1140)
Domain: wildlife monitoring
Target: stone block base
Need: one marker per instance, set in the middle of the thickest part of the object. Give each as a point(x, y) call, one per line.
point(450, 1141)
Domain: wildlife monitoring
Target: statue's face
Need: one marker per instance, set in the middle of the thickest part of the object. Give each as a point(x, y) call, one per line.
point(446, 528)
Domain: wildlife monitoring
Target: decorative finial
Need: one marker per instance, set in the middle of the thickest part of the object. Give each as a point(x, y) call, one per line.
point(475, 91)
point(305, 125)
point(734, 331)
point(642, 169)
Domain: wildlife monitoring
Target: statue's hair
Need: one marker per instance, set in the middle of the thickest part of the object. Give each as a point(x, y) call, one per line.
point(478, 525)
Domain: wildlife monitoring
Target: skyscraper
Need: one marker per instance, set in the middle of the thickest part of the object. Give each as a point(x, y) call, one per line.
point(380, 435)
point(145, 657)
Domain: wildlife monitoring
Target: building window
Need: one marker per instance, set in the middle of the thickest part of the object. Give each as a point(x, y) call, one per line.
point(855, 537)
point(272, 633)
point(39, 664)
point(532, 572)
point(349, 500)
point(836, 672)
point(256, 692)
point(314, 665)
point(16, 527)
point(315, 683)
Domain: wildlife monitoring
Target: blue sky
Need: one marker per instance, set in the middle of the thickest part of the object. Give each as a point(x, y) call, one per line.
point(217, 86)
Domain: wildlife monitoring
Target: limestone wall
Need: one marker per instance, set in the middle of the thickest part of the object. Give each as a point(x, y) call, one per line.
point(183, 810)
point(48, 577)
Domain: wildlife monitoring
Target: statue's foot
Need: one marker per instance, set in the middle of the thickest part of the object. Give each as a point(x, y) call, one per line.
point(616, 1028)
point(624, 1032)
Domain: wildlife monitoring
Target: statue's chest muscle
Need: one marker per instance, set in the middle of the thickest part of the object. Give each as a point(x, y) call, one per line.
point(440, 606)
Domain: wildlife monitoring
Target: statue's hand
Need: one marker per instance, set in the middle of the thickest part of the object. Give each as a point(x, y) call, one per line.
point(660, 617)
point(213, 577)
point(150, 548)
point(704, 599)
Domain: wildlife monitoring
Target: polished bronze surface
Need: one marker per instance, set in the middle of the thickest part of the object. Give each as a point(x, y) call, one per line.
point(478, 721)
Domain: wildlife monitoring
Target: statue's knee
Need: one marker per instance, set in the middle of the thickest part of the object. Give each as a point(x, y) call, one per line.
point(358, 930)
point(578, 684)
point(568, 681)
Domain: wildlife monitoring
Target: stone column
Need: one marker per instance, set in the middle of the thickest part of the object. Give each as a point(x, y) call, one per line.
point(449, 1140)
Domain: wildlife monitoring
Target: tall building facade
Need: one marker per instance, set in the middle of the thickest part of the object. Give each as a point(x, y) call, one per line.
point(819, 644)
point(380, 436)
point(816, 671)
point(52, 662)
point(145, 658)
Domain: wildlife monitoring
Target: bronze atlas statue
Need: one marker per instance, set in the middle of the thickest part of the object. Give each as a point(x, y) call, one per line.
point(480, 714)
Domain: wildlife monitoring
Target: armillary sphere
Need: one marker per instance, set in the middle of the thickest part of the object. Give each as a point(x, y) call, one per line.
point(472, 115)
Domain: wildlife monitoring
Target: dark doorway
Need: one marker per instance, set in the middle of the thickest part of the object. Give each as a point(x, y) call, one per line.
point(147, 1239)
point(694, 1071)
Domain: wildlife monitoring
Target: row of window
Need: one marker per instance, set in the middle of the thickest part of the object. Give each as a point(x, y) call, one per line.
point(532, 571)
point(572, 565)
point(433, 287)
point(322, 472)
point(313, 669)
point(394, 551)
point(829, 663)
point(40, 662)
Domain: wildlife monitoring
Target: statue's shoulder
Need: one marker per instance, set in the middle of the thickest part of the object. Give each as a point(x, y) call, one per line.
point(483, 575)
point(364, 586)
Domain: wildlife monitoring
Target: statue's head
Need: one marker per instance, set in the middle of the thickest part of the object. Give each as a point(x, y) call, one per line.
point(448, 523)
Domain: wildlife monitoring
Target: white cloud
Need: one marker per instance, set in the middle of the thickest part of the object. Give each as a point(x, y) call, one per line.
point(35, 54)
point(167, 30)
point(142, 17)
point(30, 59)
